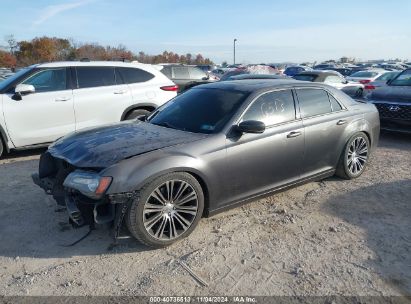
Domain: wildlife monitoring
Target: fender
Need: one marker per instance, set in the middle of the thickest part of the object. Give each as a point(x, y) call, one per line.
point(131, 174)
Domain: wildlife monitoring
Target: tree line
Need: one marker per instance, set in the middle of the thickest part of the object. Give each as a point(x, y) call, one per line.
point(46, 49)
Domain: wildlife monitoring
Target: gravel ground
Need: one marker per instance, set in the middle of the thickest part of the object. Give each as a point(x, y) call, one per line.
point(333, 237)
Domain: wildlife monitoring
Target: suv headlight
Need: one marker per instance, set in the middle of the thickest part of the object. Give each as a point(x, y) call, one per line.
point(88, 183)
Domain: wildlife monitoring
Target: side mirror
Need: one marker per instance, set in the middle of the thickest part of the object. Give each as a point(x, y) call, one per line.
point(24, 89)
point(251, 126)
point(388, 81)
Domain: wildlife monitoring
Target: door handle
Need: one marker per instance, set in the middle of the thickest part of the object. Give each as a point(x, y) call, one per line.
point(120, 92)
point(293, 134)
point(58, 99)
point(341, 122)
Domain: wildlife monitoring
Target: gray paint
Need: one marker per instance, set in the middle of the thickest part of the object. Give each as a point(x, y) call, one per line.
point(233, 167)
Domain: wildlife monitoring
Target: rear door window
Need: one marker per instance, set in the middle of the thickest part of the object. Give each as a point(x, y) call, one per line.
point(135, 75)
point(272, 108)
point(90, 77)
point(313, 102)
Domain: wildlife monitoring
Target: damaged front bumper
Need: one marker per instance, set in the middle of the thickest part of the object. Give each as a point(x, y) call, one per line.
point(82, 210)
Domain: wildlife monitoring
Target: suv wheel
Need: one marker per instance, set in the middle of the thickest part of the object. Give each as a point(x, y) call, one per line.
point(1, 147)
point(354, 157)
point(136, 113)
point(166, 209)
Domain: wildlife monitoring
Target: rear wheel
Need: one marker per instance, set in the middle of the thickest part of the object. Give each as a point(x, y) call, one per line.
point(136, 113)
point(354, 157)
point(167, 209)
point(359, 93)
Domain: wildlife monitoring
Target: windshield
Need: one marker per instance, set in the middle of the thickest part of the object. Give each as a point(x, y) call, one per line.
point(292, 70)
point(364, 74)
point(387, 76)
point(8, 80)
point(199, 110)
point(305, 77)
point(404, 79)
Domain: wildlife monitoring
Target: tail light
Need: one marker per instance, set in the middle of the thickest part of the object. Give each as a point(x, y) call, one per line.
point(364, 81)
point(172, 88)
point(369, 87)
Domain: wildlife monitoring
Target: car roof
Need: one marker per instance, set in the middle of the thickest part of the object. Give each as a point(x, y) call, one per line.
point(90, 63)
point(256, 76)
point(254, 85)
point(318, 73)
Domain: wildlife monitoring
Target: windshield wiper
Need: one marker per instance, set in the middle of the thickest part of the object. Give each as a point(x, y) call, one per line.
point(167, 125)
point(164, 124)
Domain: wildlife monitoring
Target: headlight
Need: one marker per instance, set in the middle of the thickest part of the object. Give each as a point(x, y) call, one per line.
point(88, 183)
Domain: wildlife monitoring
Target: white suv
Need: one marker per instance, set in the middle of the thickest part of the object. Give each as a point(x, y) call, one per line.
point(46, 101)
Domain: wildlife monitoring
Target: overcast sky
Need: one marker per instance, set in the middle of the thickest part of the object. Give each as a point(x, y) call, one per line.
point(267, 30)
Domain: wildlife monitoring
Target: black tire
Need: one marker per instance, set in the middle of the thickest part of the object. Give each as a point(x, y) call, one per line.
point(136, 113)
point(359, 93)
point(343, 169)
point(1, 147)
point(135, 216)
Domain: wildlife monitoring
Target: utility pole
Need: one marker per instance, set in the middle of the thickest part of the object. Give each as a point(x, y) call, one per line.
point(235, 40)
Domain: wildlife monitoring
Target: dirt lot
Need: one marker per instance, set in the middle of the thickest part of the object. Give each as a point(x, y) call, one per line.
point(333, 237)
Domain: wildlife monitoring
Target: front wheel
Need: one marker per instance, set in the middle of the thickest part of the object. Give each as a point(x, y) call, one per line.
point(166, 209)
point(354, 157)
point(1, 147)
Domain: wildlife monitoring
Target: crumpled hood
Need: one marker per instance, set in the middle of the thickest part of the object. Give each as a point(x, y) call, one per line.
point(103, 146)
point(392, 93)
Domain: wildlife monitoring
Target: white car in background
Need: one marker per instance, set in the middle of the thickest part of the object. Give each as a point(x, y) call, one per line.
point(366, 76)
point(46, 101)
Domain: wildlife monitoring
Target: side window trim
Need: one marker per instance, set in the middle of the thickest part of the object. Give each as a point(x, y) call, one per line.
point(117, 72)
point(343, 108)
point(73, 78)
point(296, 112)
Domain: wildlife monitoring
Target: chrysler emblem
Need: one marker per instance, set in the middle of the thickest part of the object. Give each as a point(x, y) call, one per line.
point(394, 108)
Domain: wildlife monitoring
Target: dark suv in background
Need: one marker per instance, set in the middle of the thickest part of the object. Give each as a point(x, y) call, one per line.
point(393, 102)
point(185, 76)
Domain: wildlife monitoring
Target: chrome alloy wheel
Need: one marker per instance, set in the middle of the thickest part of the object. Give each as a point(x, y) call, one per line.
point(357, 155)
point(170, 210)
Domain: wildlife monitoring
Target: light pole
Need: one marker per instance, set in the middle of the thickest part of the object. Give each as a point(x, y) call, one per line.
point(235, 40)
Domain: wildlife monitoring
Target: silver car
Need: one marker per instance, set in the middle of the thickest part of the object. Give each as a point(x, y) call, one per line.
point(366, 76)
point(333, 79)
point(380, 82)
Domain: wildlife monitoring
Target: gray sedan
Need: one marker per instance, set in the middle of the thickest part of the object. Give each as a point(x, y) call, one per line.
point(211, 148)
